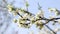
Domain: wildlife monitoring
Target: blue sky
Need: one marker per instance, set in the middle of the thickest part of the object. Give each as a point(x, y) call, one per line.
point(33, 8)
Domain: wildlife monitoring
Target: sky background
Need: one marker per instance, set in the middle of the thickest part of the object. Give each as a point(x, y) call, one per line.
point(33, 8)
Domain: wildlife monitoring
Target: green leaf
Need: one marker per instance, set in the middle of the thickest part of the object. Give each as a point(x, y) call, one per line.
point(52, 9)
point(15, 20)
point(57, 13)
point(27, 4)
point(41, 26)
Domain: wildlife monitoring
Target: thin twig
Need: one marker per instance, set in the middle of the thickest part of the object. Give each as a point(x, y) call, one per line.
point(50, 29)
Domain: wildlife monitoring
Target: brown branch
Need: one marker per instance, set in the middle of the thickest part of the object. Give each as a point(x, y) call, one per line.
point(50, 29)
point(19, 15)
point(41, 18)
point(54, 19)
point(48, 20)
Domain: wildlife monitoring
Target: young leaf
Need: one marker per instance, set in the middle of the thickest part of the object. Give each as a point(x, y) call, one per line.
point(15, 20)
point(41, 26)
point(40, 13)
point(52, 9)
point(9, 7)
point(57, 12)
point(27, 4)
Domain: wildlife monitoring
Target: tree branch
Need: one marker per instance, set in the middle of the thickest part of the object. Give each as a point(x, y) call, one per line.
point(50, 29)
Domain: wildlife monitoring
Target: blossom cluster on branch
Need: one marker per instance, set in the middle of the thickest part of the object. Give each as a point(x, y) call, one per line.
point(26, 18)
